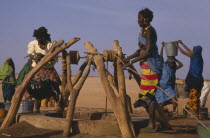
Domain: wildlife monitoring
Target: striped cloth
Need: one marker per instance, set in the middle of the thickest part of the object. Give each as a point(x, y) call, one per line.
point(148, 82)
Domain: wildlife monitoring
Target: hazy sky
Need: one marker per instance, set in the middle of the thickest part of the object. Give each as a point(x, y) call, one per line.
point(101, 22)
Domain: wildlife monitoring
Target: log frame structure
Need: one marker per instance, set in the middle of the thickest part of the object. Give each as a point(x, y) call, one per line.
point(118, 101)
point(73, 88)
point(16, 100)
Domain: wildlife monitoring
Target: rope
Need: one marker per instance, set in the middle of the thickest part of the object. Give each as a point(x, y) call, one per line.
point(74, 56)
point(109, 55)
point(165, 93)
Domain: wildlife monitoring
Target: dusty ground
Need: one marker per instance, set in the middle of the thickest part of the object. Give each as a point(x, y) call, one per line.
point(92, 97)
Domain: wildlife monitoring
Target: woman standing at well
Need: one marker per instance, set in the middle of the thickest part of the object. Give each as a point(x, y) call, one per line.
point(150, 63)
point(46, 81)
point(194, 80)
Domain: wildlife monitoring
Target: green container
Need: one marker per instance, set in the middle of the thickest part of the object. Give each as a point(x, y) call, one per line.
point(202, 131)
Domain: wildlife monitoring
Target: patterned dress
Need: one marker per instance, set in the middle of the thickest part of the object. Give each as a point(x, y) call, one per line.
point(151, 69)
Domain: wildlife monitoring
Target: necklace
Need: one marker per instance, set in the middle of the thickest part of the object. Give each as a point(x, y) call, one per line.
point(143, 31)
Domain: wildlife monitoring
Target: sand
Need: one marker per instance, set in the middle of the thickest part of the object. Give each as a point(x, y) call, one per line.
point(93, 97)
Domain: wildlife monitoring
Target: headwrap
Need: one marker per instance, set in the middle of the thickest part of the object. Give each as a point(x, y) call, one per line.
point(5, 69)
point(194, 77)
point(196, 62)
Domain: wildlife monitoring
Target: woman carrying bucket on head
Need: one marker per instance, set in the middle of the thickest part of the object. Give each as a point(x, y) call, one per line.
point(168, 76)
point(194, 80)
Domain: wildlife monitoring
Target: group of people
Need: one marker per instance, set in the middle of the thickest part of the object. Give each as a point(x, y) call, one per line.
point(157, 86)
point(155, 71)
point(44, 84)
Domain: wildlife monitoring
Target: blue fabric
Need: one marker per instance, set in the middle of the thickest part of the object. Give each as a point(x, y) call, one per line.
point(8, 91)
point(196, 63)
point(154, 60)
point(194, 77)
point(162, 97)
point(168, 75)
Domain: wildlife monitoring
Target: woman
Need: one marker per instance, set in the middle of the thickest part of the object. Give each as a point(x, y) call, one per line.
point(7, 75)
point(150, 63)
point(194, 80)
point(45, 83)
point(167, 81)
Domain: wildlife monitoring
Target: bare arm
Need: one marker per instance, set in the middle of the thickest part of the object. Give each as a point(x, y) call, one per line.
point(161, 51)
point(136, 54)
point(182, 51)
point(180, 65)
point(147, 47)
point(188, 50)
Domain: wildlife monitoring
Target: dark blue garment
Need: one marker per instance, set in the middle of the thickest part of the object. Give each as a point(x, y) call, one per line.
point(196, 63)
point(154, 60)
point(8, 91)
point(194, 77)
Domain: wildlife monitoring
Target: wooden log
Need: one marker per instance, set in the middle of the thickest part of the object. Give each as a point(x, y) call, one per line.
point(117, 104)
point(74, 94)
point(121, 76)
point(64, 93)
point(21, 89)
point(122, 89)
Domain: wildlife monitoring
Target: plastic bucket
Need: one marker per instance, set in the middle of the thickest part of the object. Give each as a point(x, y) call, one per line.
point(26, 106)
point(171, 49)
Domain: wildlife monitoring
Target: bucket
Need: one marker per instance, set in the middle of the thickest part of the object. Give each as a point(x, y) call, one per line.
point(180, 91)
point(26, 106)
point(203, 114)
point(171, 49)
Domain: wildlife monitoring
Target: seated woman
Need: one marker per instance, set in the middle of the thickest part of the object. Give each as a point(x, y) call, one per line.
point(194, 80)
point(7, 75)
point(167, 81)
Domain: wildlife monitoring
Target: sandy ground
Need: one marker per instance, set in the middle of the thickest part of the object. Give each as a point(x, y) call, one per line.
point(92, 96)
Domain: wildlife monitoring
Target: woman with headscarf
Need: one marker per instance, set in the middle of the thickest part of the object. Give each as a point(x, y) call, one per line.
point(46, 81)
point(150, 63)
point(7, 75)
point(194, 80)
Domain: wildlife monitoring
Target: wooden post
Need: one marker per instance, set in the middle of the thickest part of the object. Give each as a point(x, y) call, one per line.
point(121, 76)
point(121, 85)
point(117, 103)
point(16, 100)
point(74, 94)
point(64, 93)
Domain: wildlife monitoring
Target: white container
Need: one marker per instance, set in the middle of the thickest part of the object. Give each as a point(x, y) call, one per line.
point(171, 49)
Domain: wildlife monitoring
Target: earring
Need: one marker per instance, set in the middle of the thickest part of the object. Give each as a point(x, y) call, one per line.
point(145, 22)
